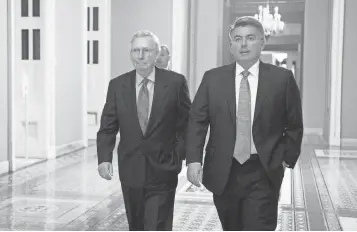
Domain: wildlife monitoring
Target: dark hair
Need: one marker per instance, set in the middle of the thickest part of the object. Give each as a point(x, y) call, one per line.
point(247, 21)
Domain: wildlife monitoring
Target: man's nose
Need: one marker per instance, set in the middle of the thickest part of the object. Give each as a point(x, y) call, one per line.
point(244, 42)
point(141, 54)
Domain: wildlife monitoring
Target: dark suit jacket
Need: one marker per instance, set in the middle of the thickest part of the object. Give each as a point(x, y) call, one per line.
point(277, 127)
point(163, 143)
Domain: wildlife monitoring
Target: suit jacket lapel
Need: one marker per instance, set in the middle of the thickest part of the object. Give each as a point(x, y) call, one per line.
point(129, 95)
point(263, 88)
point(129, 91)
point(160, 93)
point(229, 87)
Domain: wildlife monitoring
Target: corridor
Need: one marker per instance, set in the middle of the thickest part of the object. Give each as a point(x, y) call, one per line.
point(68, 194)
point(60, 56)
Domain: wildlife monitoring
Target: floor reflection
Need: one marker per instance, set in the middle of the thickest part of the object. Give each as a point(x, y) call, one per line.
point(67, 194)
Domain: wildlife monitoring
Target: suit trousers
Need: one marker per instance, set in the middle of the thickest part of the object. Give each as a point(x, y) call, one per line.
point(249, 201)
point(151, 207)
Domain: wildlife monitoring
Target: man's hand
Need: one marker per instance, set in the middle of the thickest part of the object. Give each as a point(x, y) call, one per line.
point(194, 173)
point(105, 170)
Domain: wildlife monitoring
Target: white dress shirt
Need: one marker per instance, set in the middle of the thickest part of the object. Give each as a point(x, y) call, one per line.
point(150, 86)
point(253, 85)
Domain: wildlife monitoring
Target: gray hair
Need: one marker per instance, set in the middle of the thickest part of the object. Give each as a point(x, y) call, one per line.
point(247, 21)
point(146, 33)
point(165, 47)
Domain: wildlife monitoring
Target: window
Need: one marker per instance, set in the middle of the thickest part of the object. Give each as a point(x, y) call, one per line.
point(25, 44)
point(24, 8)
point(26, 32)
point(88, 52)
point(92, 25)
point(95, 18)
point(36, 43)
point(88, 18)
point(95, 51)
point(35, 8)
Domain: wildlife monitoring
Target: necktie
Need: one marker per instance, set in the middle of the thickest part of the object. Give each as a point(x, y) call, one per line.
point(243, 125)
point(143, 105)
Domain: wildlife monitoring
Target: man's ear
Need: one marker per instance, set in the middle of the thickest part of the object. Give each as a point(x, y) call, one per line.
point(157, 56)
point(263, 43)
point(263, 46)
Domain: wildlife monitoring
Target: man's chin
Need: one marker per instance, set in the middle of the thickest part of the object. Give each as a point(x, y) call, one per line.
point(142, 66)
point(144, 69)
point(245, 57)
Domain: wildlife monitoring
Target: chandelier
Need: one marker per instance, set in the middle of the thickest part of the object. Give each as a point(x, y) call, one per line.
point(271, 22)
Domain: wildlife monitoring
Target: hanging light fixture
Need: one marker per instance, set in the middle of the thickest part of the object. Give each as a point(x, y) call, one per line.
point(272, 22)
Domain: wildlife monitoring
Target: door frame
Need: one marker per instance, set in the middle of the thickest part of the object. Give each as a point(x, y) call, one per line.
point(11, 117)
point(337, 36)
point(85, 75)
point(327, 116)
point(107, 61)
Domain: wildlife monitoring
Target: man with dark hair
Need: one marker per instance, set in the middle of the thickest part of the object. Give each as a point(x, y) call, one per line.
point(256, 127)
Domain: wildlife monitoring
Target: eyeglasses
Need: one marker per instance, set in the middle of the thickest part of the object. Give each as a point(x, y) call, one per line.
point(145, 51)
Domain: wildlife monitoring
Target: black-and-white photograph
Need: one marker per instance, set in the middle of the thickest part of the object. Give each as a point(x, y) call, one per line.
point(178, 115)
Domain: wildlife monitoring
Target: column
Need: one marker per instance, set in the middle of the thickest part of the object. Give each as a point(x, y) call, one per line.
point(50, 73)
point(336, 72)
point(206, 40)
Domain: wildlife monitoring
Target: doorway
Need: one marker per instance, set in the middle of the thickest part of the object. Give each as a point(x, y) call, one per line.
point(26, 89)
point(98, 61)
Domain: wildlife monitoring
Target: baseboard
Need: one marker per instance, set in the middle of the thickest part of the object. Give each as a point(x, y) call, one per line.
point(348, 142)
point(313, 131)
point(336, 153)
point(59, 150)
point(4, 167)
point(70, 147)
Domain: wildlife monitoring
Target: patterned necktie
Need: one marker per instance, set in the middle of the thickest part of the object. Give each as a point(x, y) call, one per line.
point(243, 129)
point(143, 105)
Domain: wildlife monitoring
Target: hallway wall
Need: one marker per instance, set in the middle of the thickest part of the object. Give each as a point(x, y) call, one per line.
point(208, 40)
point(131, 16)
point(202, 52)
point(69, 71)
point(3, 82)
point(349, 79)
point(180, 59)
point(314, 64)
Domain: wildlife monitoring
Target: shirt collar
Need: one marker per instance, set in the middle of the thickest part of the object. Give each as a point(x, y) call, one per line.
point(151, 77)
point(254, 70)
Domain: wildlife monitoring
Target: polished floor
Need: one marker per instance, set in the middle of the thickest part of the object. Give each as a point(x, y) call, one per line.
point(67, 194)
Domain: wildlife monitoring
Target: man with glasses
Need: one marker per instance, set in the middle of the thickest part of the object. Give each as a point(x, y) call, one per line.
point(149, 106)
point(256, 128)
